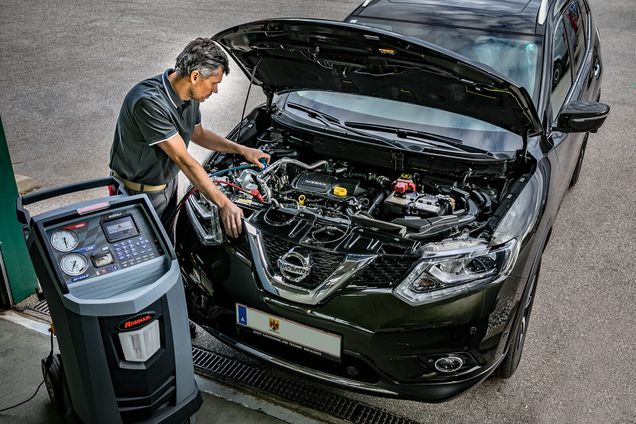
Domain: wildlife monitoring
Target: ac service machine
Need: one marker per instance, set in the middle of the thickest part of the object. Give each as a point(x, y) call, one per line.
point(113, 286)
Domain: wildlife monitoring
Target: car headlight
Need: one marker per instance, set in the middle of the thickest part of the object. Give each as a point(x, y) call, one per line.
point(456, 266)
point(204, 216)
point(523, 214)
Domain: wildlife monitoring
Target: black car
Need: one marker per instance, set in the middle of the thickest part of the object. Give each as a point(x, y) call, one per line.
point(420, 153)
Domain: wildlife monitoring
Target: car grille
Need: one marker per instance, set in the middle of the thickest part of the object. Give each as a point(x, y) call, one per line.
point(385, 271)
point(324, 262)
point(241, 245)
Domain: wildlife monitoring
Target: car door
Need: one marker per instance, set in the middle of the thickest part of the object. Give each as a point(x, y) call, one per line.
point(591, 69)
point(569, 83)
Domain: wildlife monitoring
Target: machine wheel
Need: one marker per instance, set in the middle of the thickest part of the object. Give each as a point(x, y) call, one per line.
point(517, 339)
point(579, 163)
point(54, 381)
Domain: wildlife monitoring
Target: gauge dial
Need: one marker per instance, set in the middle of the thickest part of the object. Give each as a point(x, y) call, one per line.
point(74, 264)
point(64, 240)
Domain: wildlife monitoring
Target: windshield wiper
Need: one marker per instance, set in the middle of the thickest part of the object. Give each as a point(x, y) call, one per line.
point(332, 121)
point(428, 138)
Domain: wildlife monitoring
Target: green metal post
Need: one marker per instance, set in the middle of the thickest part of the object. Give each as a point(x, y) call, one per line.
point(13, 252)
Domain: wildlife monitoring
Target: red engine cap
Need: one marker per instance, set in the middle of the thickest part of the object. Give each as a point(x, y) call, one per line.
point(402, 185)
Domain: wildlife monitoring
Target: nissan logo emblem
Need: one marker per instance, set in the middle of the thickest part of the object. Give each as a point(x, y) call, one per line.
point(295, 265)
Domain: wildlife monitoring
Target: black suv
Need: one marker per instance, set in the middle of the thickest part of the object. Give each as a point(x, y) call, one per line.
point(420, 153)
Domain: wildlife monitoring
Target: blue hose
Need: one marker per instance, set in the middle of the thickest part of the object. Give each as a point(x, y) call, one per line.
point(263, 161)
point(235, 168)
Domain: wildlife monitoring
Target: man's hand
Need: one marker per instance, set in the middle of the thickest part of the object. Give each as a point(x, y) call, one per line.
point(212, 141)
point(253, 156)
point(231, 216)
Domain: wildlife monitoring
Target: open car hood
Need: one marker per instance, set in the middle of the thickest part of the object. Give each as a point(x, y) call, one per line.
point(295, 54)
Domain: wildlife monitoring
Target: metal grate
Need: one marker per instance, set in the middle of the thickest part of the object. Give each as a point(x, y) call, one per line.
point(41, 307)
point(232, 371)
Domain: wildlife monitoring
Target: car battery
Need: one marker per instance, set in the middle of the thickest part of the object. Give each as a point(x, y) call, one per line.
point(413, 203)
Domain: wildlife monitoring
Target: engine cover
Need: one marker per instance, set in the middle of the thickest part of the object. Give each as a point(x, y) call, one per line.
point(315, 182)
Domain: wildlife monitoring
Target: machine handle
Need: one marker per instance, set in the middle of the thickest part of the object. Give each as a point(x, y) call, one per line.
point(23, 214)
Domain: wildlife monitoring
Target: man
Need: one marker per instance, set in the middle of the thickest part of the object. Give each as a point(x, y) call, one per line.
point(158, 119)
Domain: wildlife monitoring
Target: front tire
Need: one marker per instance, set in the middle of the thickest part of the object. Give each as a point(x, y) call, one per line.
point(199, 303)
point(517, 339)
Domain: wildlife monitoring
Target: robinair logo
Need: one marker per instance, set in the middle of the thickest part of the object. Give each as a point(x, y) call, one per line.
point(274, 324)
point(137, 321)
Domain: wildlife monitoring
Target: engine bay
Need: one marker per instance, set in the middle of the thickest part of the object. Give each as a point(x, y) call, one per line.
point(334, 197)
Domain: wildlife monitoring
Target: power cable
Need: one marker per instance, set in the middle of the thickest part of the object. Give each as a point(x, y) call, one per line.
point(47, 365)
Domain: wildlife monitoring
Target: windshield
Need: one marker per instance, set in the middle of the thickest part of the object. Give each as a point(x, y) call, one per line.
point(396, 111)
point(513, 56)
point(352, 108)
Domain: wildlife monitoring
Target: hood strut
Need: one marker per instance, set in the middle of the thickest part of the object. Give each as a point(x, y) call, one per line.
point(247, 96)
point(270, 100)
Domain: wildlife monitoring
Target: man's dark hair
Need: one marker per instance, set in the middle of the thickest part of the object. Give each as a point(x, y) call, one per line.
point(201, 55)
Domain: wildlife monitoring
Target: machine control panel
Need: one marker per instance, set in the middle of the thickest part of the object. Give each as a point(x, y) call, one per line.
point(103, 243)
point(133, 251)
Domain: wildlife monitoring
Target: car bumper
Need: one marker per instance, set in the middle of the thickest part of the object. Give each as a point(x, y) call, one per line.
point(429, 392)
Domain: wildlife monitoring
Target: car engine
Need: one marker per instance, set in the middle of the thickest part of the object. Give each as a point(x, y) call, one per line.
point(340, 196)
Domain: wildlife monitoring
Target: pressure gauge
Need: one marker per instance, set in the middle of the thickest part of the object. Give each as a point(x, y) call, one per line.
point(74, 264)
point(64, 240)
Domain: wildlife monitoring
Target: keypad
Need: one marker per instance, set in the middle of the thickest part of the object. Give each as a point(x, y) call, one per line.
point(133, 251)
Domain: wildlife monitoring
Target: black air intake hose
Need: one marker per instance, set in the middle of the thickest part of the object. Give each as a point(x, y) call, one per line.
point(380, 180)
point(438, 225)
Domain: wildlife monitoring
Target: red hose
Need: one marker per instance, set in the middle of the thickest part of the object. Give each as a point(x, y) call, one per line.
point(254, 193)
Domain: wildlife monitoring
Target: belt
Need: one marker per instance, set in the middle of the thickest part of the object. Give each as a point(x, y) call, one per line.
point(138, 186)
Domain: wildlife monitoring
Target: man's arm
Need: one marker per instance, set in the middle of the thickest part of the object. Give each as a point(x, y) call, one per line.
point(209, 140)
point(230, 214)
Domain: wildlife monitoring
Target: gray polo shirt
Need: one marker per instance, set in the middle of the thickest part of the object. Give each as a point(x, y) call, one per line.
point(151, 113)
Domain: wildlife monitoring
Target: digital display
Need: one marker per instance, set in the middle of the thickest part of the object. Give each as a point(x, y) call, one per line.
point(119, 229)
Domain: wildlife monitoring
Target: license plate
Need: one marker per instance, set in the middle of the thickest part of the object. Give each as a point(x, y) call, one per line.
point(289, 332)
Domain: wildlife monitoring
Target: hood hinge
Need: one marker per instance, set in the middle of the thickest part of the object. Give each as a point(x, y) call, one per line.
point(525, 144)
point(398, 161)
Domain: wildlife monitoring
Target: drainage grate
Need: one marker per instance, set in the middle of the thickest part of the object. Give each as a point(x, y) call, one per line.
point(230, 370)
point(227, 369)
point(41, 307)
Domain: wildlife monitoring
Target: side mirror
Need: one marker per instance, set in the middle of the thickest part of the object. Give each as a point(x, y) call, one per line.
point(580, 116)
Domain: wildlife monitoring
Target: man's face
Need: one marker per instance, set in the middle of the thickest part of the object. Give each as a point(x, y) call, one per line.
point(201, 87)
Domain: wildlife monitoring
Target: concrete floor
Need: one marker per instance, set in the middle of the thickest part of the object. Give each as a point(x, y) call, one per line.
point(20, 352)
